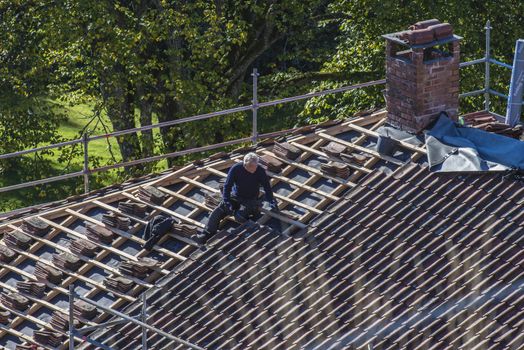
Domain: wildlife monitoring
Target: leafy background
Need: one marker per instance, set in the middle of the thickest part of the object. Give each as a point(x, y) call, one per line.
point(95, 66)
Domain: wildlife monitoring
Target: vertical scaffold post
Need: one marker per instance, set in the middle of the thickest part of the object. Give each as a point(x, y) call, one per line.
point(144, 319)
point(254, 105)
point(85, 142)
point(487, 63)
point(71, 317)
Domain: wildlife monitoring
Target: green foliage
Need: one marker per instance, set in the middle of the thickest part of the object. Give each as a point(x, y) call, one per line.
point(143, 61)
point(360, 47)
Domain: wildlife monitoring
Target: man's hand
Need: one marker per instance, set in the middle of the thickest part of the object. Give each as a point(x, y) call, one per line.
point(273, 205)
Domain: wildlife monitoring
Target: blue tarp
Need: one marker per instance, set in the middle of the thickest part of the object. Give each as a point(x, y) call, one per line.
point(455, 148)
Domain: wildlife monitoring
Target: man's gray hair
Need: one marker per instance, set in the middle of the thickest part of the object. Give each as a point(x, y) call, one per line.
point(250, 158)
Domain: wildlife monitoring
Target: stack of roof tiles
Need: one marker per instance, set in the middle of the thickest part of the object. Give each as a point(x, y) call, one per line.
point(35, 226)
point(486, 121)
point(60, 321)
point(45, 272)
point(28, 347)
point(411, 260)
point(49, 338)
point(336, 169)
point(185, 230)
point(139, 269)
point(67, 261)
point(212, 199)
point(117, 221)
point(135, 209)
point(286, 150)
point(35, 289)
point(83, 247)
point(357, 158)
point(4, 316)
point(271, 163)
point(427, 31)
point(334, 149)
point(14, 301)
point(6, 254)
point(99, 234)
point(119, 283)
point(84, 310)
point(17, 239)
point(151, 194)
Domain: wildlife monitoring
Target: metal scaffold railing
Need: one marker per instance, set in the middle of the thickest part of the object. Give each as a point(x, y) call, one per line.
point(120, 318)
point(255, 105)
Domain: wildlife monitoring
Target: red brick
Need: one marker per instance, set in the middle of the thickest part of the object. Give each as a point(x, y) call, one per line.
point(418, 91)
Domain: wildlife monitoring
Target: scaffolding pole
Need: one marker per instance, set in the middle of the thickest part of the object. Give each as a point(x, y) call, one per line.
point(85, 142)
point(487, 63)
point(143, 318)
point(121, 315)
point(71, 317)
point(254, 105)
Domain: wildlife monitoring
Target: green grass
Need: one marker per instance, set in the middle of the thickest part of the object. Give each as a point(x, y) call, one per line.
point(79, 117)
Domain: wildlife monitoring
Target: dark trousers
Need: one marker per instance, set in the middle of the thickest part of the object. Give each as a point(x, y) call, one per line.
point(243, 210)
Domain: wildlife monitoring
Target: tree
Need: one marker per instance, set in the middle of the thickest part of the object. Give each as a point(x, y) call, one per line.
point(26, 117)
point(175, 59)
point(361, 48)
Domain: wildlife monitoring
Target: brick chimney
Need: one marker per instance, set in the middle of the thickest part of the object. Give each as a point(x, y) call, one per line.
point(422, 74)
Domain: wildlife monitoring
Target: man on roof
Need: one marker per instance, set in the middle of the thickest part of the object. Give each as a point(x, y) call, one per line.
point(240, 195)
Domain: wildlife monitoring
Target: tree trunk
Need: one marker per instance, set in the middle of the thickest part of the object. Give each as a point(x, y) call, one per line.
point(146, 112)
point(120, 113)
point(171, 135)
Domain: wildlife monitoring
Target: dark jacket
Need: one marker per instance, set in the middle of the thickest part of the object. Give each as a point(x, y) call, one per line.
point(245, 185)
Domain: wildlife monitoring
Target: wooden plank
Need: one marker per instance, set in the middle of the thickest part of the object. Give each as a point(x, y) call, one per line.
point(84, 258)
point(120, 212)
point(325, 155)
point(165, 210)
point(38, 301)
point(312, 170)
point(73, 274)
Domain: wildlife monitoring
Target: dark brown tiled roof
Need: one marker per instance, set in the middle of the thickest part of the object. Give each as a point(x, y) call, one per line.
point(410, 260)
point(76, 245)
